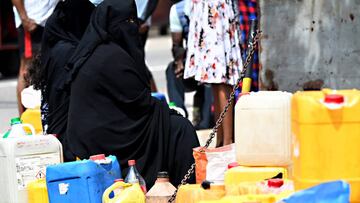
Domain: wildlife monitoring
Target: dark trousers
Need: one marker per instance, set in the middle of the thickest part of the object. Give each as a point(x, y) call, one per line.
point(203, 98)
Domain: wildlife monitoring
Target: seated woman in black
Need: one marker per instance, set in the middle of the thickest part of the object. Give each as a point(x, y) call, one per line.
point(111, 109)
point(62, 33)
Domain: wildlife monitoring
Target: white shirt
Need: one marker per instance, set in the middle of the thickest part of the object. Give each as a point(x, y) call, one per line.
point(38, 10)
point(141, 7)
point(175, 24)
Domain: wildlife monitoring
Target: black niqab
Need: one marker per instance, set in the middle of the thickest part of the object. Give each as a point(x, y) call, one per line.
point(62, 33)
point(111, 109)
point(115, 21)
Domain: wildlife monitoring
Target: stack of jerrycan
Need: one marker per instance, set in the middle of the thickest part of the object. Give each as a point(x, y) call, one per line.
point(326, 126)
point(82, 181)
point(262, 139)
point(23, 159)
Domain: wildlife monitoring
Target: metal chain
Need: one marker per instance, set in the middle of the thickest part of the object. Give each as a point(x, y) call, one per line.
point(223, 113)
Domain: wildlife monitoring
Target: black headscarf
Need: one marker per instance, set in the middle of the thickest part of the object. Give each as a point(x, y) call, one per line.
point(116, 21)
point(62, 33)
point(111, 109)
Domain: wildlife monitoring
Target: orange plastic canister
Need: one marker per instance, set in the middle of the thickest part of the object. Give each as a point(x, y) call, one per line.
point(326, 128)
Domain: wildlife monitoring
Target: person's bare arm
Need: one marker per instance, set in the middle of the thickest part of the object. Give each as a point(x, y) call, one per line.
point(28, 24)
point(178, 52)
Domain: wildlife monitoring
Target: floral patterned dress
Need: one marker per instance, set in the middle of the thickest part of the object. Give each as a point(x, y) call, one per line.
point(213, 46)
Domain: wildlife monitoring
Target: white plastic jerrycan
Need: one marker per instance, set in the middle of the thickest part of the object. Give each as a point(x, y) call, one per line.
point(17, 129)
point(263, 129)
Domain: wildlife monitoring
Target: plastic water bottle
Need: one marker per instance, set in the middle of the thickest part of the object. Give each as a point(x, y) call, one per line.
point(134, 176)
point(17, 129)
point(162, 190)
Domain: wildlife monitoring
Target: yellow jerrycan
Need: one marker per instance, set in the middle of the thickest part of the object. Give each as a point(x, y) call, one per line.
point(124, 193)
point(33, 117)
point(37, 192)
point(326, 129)
point(192, 193)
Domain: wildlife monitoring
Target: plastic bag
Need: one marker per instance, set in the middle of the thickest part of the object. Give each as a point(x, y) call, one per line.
point(331, 192)
point(212, 163)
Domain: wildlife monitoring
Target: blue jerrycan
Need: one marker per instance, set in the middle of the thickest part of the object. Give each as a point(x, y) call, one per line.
point(81, 181)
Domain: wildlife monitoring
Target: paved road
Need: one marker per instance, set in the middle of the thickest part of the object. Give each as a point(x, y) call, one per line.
point(158, 55)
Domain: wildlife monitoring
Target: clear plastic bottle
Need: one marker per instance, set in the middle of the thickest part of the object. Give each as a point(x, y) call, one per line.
point(134, 176)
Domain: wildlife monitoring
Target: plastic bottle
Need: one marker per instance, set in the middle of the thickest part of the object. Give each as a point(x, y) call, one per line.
point(181, 111)
point(162, 190)
point(134, 176)
point(17, 129)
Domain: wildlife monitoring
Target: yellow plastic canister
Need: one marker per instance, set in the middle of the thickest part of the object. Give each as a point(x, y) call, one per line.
point(326, 128)
point(33, 117)
point(37, 192)
point(240, 174)
point(192, 193)
point(126, 193)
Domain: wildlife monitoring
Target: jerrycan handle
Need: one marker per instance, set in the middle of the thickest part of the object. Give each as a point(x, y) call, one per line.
point(32, 129)
point(106, 198)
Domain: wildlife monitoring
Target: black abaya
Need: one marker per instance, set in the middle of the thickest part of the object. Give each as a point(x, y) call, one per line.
point(62, 33)
point(111, 109)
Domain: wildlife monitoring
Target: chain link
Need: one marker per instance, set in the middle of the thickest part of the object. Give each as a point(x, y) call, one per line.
point(252, 46)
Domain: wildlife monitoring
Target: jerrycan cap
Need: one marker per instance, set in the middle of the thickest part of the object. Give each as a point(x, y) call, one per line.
point(233, 165)
point(163, 174)
point(15, 120)
point(131, 162)
point(334, 99)
point(98, 157)
point(275, 182)
point(118, 180)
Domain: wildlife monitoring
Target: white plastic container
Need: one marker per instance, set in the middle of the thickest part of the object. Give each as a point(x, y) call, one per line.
point(22, 160)
point(263, 129)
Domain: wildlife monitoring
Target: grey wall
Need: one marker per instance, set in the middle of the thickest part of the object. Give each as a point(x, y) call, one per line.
point(308, 40)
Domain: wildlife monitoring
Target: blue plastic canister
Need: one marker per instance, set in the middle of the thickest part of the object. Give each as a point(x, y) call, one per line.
point(81, 181)
point(159, 96)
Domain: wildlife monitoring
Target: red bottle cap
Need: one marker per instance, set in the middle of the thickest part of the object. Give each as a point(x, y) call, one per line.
point(334, 98)
point(131, 162)
point(275, 183)
point(232, 165)
point(118, 180)
point(98, 157)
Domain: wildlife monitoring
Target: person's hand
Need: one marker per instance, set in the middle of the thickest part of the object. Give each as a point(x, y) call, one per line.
point(143, 28)
point(179, 69)
point(29, 24)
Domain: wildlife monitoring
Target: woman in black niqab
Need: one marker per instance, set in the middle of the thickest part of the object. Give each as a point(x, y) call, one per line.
point(62, 33)
point(111, 108)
